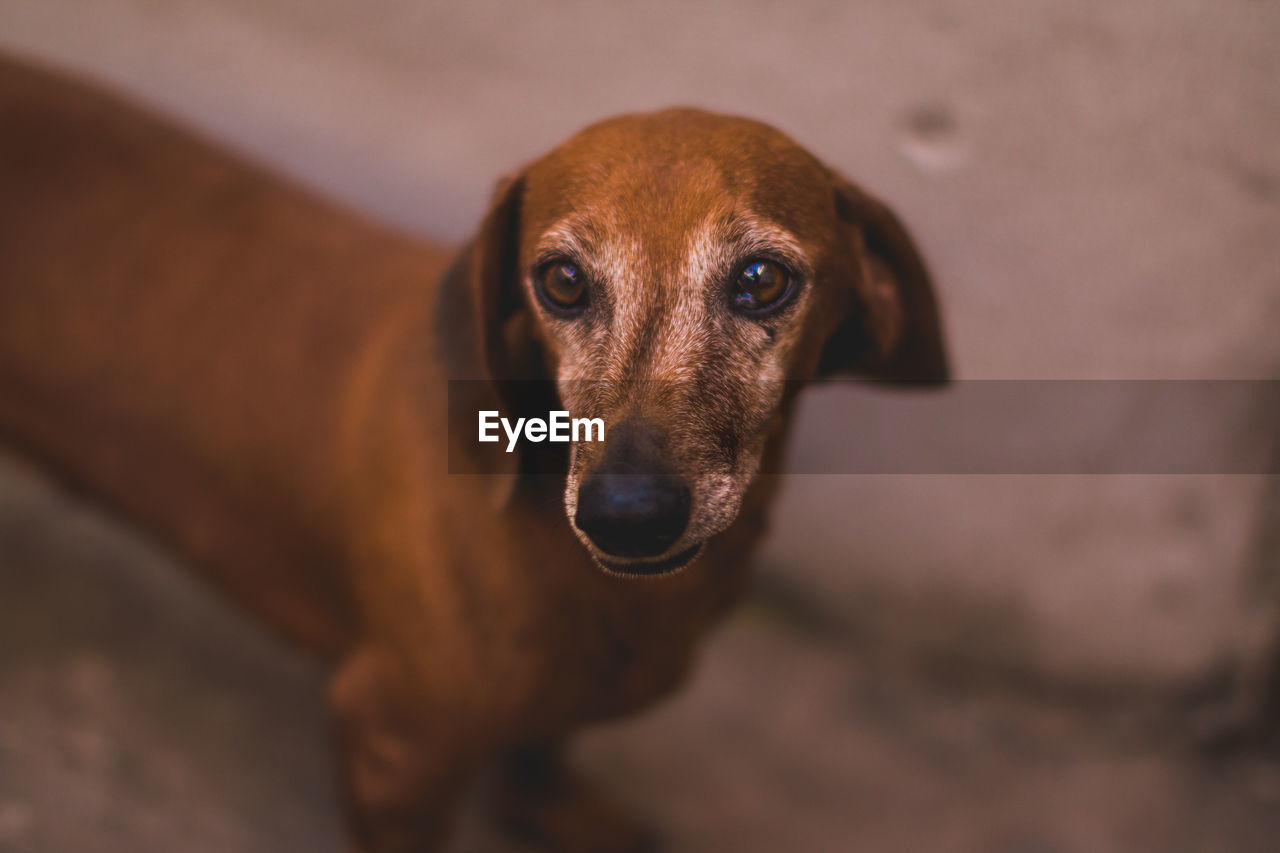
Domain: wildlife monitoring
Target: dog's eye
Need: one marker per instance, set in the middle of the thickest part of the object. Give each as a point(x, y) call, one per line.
point(562, 286)
point(761, 286)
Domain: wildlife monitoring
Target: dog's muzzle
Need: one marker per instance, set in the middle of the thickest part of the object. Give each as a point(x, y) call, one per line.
point(632, 506)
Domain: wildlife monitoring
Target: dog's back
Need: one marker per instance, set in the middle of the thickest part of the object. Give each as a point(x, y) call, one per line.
point(172, 321)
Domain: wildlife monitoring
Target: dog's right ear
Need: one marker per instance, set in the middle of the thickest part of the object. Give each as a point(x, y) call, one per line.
point(483, 330)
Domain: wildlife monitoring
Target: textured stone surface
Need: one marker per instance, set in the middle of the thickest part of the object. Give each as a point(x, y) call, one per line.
point(137, 712)
point(140, 715)
point(1095, 185)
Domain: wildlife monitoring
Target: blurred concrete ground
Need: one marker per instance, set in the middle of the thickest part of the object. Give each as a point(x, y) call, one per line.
point(1096, 185)
point(139, 714)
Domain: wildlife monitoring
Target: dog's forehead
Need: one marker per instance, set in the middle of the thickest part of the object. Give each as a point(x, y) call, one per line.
point(673, 170)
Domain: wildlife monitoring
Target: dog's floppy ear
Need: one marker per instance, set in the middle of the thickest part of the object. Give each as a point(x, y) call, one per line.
point(484, 334)
point(893, 332)
point(494, 285)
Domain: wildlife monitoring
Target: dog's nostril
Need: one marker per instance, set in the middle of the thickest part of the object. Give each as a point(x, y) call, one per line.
point(633, 515)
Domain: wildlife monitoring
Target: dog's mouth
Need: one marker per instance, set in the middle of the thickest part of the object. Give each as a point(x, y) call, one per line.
point(650, 568)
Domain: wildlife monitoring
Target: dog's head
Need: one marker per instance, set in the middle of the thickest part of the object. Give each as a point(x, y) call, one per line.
point(676, 274)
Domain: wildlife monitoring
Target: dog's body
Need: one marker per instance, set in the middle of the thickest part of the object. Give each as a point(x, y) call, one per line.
point(261, 379)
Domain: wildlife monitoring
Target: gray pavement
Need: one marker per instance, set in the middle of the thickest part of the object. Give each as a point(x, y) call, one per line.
point(138, 714)
point(1096, 186)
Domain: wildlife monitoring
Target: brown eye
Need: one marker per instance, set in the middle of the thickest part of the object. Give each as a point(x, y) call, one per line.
point(761, 286)
point(562, 286)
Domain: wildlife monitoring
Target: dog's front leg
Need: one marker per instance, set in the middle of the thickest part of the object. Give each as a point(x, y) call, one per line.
point(540, 799)
point(403, 765)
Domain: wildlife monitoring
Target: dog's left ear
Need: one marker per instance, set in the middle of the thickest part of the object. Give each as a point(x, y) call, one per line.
point(893, 332)
point(494, 286)
point(484, 334)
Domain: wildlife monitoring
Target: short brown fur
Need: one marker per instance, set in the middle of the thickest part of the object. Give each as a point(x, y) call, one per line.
point(259, 378)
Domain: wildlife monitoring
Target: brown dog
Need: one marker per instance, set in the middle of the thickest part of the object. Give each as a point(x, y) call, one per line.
point(262, 380)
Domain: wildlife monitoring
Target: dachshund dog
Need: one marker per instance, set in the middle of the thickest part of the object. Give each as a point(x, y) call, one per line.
point(288, 396)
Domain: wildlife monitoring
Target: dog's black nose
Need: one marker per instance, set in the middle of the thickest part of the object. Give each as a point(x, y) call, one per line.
point(632, 515)
point(632, 504)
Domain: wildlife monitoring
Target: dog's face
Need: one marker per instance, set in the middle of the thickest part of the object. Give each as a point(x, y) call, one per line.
point(681, 270)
